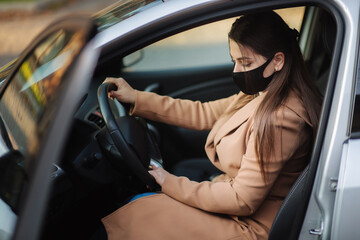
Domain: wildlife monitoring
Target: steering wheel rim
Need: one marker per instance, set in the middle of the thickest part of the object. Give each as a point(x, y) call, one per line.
point(130, 157)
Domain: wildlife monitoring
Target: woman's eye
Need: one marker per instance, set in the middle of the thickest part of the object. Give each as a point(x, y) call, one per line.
point(246, 64)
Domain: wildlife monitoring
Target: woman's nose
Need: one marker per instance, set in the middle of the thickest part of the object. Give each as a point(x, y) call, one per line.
point(237, 68)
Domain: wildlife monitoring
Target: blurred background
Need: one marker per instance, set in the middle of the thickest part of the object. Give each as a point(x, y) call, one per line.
point(22, 20)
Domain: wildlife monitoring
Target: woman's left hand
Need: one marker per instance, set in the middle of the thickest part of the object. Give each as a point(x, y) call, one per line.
point(159, 174)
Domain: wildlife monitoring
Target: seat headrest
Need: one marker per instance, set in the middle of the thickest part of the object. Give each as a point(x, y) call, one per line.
point(328, 33)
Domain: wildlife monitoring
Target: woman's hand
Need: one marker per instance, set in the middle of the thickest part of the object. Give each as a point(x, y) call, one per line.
point(159, 174)
point(124, 93)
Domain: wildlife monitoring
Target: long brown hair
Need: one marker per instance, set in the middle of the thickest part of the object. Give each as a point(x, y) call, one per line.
point(266, 33)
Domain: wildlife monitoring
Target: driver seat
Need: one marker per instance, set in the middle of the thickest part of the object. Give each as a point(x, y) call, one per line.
point(289, 218)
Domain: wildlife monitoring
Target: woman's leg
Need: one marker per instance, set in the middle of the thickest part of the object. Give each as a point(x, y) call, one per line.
point(161, 217)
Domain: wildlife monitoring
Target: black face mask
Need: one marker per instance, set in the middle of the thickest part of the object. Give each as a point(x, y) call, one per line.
point(253, 81)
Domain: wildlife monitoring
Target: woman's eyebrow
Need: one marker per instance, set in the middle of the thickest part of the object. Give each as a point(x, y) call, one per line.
point(243, 58)
point(240, 58)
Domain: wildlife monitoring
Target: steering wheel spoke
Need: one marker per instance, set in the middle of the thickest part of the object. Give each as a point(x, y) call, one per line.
point(131, 137)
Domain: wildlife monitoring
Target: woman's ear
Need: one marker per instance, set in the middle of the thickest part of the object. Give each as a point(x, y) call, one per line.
point(279, 60)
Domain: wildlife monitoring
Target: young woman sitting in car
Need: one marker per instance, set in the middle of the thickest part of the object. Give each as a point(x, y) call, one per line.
point(260, 139)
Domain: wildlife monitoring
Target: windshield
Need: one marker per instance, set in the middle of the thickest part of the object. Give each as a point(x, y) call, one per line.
point(121, 11)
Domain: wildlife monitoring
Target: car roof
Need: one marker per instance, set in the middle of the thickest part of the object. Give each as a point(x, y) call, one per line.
point(161, 10)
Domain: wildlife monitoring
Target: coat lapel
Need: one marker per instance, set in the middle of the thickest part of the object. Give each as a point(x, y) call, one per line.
point(237, 119)
point(226, 125)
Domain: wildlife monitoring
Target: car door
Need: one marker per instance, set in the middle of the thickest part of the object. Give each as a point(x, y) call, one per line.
point(37, 105)
point(346, 210)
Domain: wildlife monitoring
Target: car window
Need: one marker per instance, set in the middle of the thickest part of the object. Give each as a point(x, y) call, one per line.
point(32, 88)
point(26, 108)
point(204, 46)
point(356, 114)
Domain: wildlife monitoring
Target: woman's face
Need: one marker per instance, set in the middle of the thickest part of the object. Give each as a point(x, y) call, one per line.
point(245, 59)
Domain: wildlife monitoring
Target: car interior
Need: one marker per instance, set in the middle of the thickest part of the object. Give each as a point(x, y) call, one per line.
point(94, 177)
point(97, 180)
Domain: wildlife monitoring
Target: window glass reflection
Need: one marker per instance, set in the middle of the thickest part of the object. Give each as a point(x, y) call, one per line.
point(26, 108)
point(34, 86)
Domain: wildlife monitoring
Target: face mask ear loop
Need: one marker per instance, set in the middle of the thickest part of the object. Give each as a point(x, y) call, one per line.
point(267, 64)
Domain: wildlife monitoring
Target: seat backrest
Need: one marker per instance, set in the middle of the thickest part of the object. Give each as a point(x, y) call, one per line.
point(289, 218)
point(328, 36)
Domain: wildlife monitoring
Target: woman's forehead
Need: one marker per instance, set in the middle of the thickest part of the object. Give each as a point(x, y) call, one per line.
point(241, 51)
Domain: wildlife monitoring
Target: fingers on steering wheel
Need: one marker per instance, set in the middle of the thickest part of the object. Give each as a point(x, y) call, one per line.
point(111, 95)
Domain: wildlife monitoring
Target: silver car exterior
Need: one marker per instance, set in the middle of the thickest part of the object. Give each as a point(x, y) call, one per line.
point(333, 211)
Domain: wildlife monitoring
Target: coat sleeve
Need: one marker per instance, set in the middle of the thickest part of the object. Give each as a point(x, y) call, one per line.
point(242, 195)
point(183, 113)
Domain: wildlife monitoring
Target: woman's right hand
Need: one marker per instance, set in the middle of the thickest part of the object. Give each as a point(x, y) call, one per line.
point(124, 93)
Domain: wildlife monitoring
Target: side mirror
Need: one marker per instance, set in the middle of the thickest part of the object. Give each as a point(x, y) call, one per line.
point(12, 178)
point(133, 58)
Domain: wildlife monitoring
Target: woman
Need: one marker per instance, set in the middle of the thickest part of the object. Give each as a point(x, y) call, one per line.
point(260, 138)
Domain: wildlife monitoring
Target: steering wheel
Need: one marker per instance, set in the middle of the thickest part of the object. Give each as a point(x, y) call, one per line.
point(131, 137)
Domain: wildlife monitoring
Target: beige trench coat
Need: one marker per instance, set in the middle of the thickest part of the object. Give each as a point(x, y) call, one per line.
point(239, 204)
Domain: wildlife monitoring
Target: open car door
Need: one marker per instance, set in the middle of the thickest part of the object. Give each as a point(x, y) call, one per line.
point(37, 105)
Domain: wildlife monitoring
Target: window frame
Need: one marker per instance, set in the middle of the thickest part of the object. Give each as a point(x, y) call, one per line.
point(355, 116)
